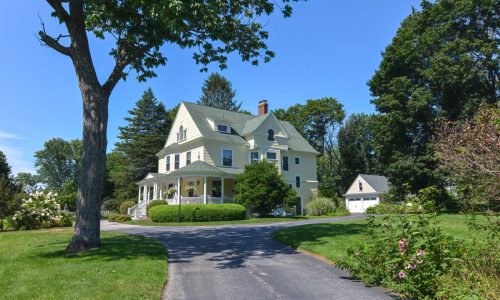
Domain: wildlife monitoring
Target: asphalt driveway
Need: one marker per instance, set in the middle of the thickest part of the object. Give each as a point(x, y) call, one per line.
point(243, 262)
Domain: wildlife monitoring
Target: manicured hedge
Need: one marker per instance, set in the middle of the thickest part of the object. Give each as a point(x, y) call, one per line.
point(197, 213)
point(155, 203)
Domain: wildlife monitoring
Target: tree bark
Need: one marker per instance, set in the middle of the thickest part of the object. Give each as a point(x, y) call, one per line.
point(95, 121)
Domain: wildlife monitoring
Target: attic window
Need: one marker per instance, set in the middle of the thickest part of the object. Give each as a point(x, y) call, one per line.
point(182, 134)
point(222, 128)
point(360, 186)
point(270, 135)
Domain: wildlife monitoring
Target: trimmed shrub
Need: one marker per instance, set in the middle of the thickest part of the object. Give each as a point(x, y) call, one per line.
point(125, 206)
point(197, 213)
point(320, 206)
point(118, 218)
point(155, 203)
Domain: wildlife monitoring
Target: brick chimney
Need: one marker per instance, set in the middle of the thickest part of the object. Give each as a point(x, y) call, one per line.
point(262, 107)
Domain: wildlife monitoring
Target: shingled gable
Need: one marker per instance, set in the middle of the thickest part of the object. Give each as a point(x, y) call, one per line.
point(241, 125)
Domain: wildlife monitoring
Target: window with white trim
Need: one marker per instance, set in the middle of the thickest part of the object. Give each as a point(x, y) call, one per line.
point(188, 158)
point(360, 186)
point(177, 161)
point(254, 157)
point(181, 134)
point(167, 159)
point(297, 160)
point(285, 163)
point(297, 181)
point(227, 157)
point(270, 135)
point(271, 155)
point(223, 128)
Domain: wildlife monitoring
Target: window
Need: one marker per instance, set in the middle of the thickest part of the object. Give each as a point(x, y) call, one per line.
point(227, 157)
point(222, 128)
point(271, 155)
point(270, 135)
point(254, 157)
point(168, 162)
point(297, 181)
point(360, 186)
point(177, 161)
point(285, 163)
point(297, 160)
point(182, 134)
point(188, 158)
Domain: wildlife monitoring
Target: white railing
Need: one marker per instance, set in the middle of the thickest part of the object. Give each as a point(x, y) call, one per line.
point(138, 210)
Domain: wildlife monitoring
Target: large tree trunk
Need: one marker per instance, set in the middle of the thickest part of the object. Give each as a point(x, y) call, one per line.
point(95, 119)
point(95, 122)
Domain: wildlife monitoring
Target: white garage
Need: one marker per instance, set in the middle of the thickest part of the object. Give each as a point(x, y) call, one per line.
point(365, 191)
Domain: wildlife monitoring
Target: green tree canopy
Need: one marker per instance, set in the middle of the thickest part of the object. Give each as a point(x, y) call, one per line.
point(144, 135)
point(441, 64)
point(356, 148)
point(261, 188)
point(59, 163)
point(4, 166)
point(27, 181)
point(218, 92)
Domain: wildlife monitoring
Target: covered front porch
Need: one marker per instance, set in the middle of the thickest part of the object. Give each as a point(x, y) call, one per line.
point(196, 183)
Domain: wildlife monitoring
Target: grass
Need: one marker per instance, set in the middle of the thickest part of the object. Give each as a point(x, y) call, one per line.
point(246, 221)
point(331, 240)
point(34, 265)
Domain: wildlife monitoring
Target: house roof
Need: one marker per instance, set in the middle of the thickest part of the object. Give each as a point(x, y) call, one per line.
point(202, 168)
point(241, 124)
point(379, 183)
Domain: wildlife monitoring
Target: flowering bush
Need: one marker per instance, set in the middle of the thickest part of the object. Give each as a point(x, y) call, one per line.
point(406, 253)
point(40, 210)
point(190, 188)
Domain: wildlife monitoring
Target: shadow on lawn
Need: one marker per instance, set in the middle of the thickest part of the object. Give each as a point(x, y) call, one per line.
point(121, 247)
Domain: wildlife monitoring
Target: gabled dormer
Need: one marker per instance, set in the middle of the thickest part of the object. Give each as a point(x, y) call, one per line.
point(184, 128)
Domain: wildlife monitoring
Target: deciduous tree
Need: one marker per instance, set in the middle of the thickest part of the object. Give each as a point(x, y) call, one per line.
point(139, 29)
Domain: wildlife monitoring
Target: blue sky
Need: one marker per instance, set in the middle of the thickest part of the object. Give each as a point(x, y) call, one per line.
point(326, 49)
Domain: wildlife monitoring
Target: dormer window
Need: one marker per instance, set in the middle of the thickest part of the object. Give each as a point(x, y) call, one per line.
point(360, 186)
point(223, 128)
point(270, 135)
point(182, 134)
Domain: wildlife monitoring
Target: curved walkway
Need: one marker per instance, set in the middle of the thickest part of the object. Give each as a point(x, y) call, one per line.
point(243, 262)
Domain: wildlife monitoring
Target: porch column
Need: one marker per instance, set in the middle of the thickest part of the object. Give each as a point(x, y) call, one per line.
point(222, 190)
point(139, 195)
point(155, 187)
point(161, 191)
point(178, 189)
point(145, 193)
point(205, 189)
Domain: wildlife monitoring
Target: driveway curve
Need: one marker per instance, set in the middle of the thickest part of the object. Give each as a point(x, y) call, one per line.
point(243, 262)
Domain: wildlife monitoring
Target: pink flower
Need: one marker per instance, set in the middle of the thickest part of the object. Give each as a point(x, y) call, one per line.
point(401, 275)
point(420, 252)
point(420, 261)
point(402, 245)
point(411, 267)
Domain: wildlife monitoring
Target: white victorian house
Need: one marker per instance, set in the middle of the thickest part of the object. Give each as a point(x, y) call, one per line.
point(365, 191)
point(208, 147)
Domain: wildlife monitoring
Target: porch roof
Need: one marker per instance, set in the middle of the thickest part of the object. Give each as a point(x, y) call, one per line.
point(197, 168)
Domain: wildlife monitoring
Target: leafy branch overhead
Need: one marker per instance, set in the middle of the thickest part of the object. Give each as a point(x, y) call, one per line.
point(214, 29)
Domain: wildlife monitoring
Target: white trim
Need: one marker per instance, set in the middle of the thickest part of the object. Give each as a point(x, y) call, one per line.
point(228, 129)
point(250, 156)
point(222, 157)
point(300, 182)
point(287, 163)
point(272, 151)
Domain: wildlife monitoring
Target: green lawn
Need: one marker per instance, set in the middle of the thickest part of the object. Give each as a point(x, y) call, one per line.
point(247, 221)
point(331, 240)
point(34, 265)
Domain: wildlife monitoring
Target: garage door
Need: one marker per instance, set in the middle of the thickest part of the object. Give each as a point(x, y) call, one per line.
point(368, 202)
point(354, 205)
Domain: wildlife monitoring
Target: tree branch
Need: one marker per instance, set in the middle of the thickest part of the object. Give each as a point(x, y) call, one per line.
point(59, 9)
point(47, 40)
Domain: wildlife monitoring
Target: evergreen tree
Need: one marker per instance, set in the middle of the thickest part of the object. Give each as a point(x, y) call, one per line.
point(218, 92)
point(4, 166)
point(145, 134)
